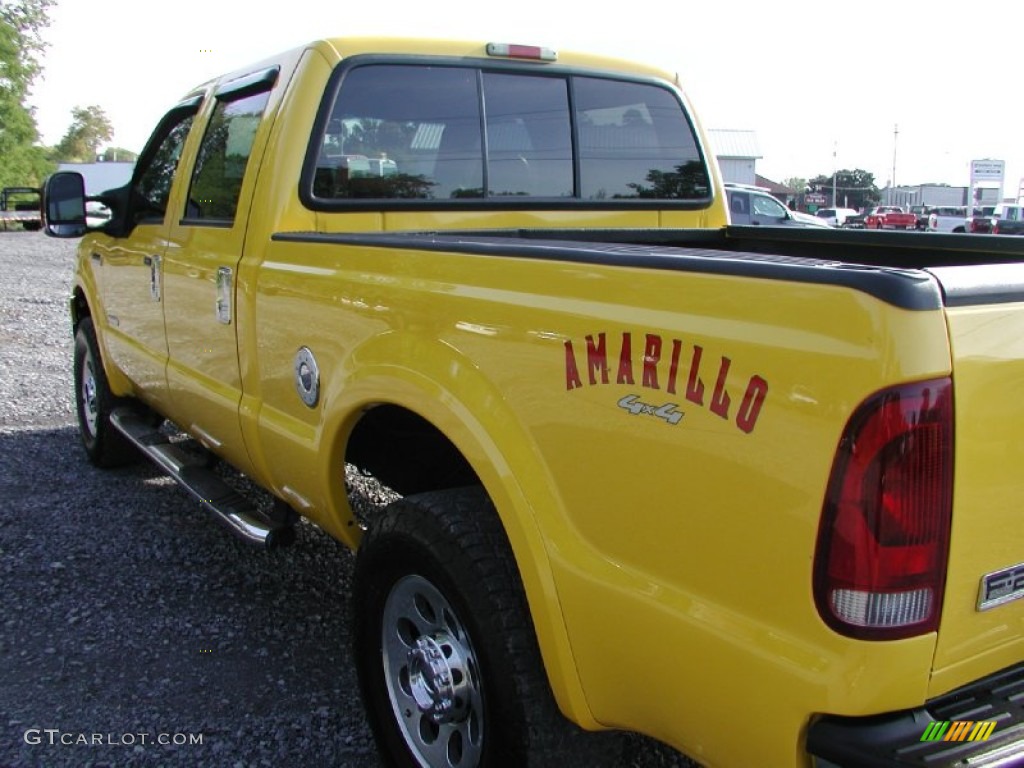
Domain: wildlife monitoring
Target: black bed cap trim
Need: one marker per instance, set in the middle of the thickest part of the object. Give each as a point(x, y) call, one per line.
point(911, 289)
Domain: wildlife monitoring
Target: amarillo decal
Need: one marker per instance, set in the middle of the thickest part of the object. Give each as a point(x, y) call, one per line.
point(675, 368)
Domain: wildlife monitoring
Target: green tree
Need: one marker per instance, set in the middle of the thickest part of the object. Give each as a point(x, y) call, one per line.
point(687, 181)
point(796, 183)
point(22, 162)
point(854, 189)
point(90, 128)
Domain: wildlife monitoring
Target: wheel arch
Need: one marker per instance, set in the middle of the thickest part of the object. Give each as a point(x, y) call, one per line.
point(80, 305)
point(460, 417)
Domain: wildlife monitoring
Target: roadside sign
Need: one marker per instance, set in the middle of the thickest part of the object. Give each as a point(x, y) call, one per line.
point(814, 198)
point(987, 170)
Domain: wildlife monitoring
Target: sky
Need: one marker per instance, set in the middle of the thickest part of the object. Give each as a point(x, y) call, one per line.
point(823, 84)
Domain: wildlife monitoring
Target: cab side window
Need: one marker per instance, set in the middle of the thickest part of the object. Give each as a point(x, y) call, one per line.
point(765, 206)
point(223, 157)
point(152, 185)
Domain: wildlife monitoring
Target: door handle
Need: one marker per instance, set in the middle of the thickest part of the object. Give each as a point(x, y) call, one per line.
point(153, 262)
point(225, 294)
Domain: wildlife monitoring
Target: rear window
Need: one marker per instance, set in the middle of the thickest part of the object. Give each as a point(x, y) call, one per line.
point(434, 134)
point(635, 142)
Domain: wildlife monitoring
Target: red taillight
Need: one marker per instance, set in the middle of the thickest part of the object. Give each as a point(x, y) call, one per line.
point(880, 562)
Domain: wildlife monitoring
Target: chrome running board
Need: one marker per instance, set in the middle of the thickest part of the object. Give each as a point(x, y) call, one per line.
point(235, 511)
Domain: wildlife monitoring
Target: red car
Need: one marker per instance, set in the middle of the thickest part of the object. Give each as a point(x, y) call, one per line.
point(890, 217)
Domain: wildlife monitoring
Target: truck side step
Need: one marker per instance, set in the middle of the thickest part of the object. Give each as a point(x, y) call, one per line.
point(239, 514)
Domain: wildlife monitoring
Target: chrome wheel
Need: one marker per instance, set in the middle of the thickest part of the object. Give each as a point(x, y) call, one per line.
point(88, 395)
point(432, 676)
point(94, 403)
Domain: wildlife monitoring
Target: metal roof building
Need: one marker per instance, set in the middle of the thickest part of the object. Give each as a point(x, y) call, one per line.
point(737, 152)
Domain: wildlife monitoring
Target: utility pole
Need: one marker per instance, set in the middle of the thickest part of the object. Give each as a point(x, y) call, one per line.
point(835, 151)
point(892, 187)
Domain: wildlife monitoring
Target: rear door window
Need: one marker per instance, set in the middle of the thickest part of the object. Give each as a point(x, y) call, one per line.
point(223, 158)
point(739, 207)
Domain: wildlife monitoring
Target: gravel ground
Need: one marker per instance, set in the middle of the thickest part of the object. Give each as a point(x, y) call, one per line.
point(134, 630)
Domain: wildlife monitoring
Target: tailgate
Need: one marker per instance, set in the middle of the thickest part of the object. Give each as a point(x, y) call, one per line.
point(982, 626)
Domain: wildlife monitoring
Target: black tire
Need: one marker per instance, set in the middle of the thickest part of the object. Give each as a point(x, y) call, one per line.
point(104, 445)
point(458, 683)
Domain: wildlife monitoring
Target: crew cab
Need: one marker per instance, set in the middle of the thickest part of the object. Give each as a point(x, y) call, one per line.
point(753, 491)
point(889, 217)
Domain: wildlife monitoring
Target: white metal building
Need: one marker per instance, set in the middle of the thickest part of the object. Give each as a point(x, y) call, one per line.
point(737, 152)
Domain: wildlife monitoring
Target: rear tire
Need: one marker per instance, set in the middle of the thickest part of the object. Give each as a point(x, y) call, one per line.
point(448, 662)
point(104, 445)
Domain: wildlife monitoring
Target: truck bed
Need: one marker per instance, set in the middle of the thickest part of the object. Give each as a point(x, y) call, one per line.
point(874, 262)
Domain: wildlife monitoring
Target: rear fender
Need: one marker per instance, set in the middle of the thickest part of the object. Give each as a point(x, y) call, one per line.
point(446, 389)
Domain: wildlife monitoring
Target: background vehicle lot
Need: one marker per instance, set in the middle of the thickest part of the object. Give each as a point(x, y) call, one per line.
point(127, 610)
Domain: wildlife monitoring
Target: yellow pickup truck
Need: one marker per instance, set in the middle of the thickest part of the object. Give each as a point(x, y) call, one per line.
point(753, 492)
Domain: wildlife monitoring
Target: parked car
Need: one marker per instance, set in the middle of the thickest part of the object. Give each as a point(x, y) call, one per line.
point(753, 206)
point(1008, 220)
point(922, 212)
point(835, 217)
point(889, 217)
point(948, 219)
point(854, 220)
point(981, 222)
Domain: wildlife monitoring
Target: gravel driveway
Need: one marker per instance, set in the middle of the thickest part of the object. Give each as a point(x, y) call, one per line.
point(134, 630)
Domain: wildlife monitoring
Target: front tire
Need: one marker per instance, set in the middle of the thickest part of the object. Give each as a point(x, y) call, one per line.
point(94, 402)
point(448, 662)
